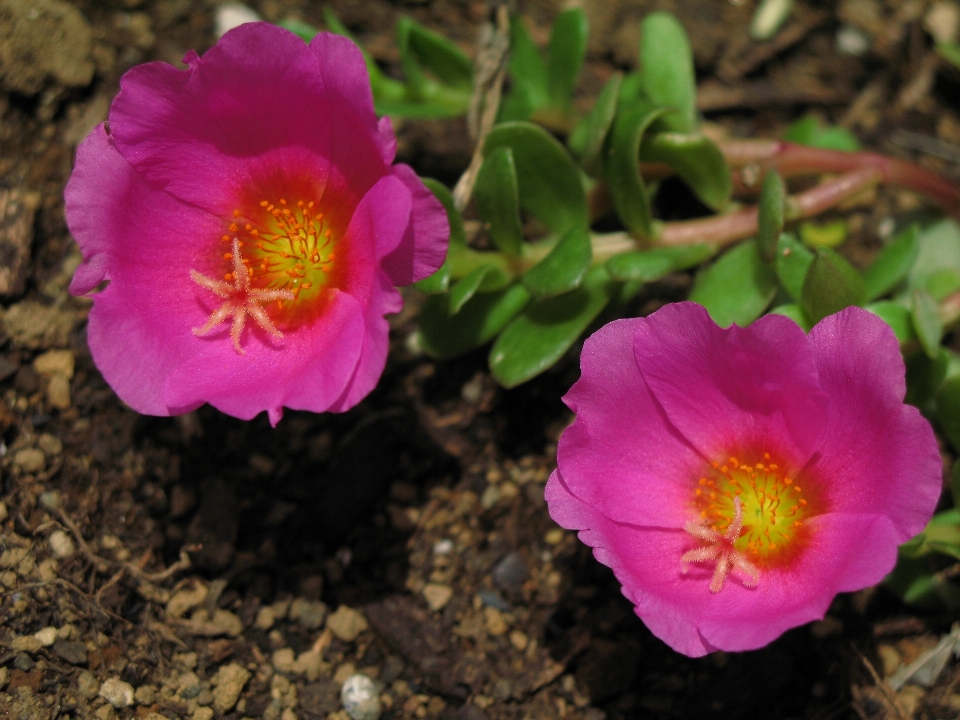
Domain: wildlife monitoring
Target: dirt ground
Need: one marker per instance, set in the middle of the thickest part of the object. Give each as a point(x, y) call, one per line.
point(203, 567)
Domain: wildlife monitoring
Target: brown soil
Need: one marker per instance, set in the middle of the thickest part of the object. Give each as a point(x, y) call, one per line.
point(198, 561)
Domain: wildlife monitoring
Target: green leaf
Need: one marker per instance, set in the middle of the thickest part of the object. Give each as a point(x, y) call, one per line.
point(437, 283)
point(831, 285)
point(666, 63)
point(597, 125)
point(564, 267)
point(651, 265)
point(478, 321)
point(809, 131)
point(823, 235)
point(795, 313)
point(949, 51)
point(893, 263)
point(565, 54)
point(528, 76)
point(498, 203)
point(380, 84)
point(435, 53)
point(622, 166)
point(792, 263)
point(955, 484)
point(304, 31)
point(547, 177)
point(937, 267)
point(897, 317)
point(773, 193)
point(458, 237)
point(924, 377)
point(543, 332)
point(926, 321)
point(695, 159)
point(484, 278)
point(948, 413)
point(737, 288)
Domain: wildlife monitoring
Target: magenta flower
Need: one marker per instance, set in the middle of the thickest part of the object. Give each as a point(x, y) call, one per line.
point(735, 480)
point(252, 229)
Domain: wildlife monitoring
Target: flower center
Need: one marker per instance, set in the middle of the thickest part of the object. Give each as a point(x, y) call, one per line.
point(285, 246)
point(774, 507)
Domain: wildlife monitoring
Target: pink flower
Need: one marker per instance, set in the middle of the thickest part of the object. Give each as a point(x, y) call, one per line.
point(735, 480)
point(251, 228)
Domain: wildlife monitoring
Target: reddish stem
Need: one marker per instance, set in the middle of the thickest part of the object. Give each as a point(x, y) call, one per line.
point(725, 229)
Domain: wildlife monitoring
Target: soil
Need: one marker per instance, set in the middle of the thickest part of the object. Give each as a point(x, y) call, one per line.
point(203, 567)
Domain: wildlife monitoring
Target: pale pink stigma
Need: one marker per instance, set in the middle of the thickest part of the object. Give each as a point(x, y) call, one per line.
point(241, 300)
point(721, 551)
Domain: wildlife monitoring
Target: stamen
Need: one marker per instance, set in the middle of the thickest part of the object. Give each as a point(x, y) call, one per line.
point(721, 550)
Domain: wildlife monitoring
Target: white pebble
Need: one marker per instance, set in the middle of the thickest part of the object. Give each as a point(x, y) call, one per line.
point(47, 636)
point(116, 692)
point(61, 545)
point(360, 698)
point(231, 15)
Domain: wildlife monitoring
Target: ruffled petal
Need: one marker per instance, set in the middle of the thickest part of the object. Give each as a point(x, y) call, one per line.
point(646, 561)
point(728, 388)
point(424, 244)
point(193, 132)
point(621, 455)
point(850, 552)
point(878, 455)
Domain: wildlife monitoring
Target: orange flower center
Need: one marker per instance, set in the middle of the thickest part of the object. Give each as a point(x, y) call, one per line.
point(774, 507)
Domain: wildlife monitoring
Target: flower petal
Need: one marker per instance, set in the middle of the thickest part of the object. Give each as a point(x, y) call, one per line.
point(646, 561)
point(740, 618)
point(622, 456)
point(880, 454)
point(726, 388)
point(257, 91)
point(424, 244)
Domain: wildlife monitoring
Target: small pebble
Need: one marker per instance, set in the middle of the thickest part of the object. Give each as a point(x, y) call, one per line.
point(231, 15)
point(360, 698)
point(3, 511)
point(283, 660)
point(265, 618)
point(145, 695)
point(26, 643)
point(61, 544)
point(47, 636)
point(443, 547)
point(437, 595)
point(346, 623)
point(71, 651)
point(228, 682)
point(117, 692)
point(87, 685)
point(30, 460)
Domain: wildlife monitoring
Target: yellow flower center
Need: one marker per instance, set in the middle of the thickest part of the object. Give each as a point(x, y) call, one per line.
point(775, 505)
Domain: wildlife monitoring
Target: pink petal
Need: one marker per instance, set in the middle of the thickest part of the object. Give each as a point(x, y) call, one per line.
point(850, 552)
point(878, 455)
point(724, 389)
point(621, 455)
point(646, 561)
point(425, 241)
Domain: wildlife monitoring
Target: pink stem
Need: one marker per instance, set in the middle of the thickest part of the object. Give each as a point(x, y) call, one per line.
point(725, 229)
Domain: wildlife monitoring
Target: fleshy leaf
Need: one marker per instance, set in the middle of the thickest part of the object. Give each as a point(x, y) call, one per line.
point(948, 412)
point(547, 177)
point(565, 54)
point(622, 166)
point(949, 51)
point(770, 214)
point(695, 159)
point(478, 321)
point(484, 278)
point(421, 48)
point(926, 321)
point(792, 263)
point(597, 125)
point(737, 288)
point(937, 267)
point(897, 317)
point(563, 268)
point(666, 63)
point(651, 265)
point(795, 313)
point(809, 131)
point(893, 263)
point(498, 203)
point(826, 235)
point(528, 75)
point(544, 331)
point(831, 285)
